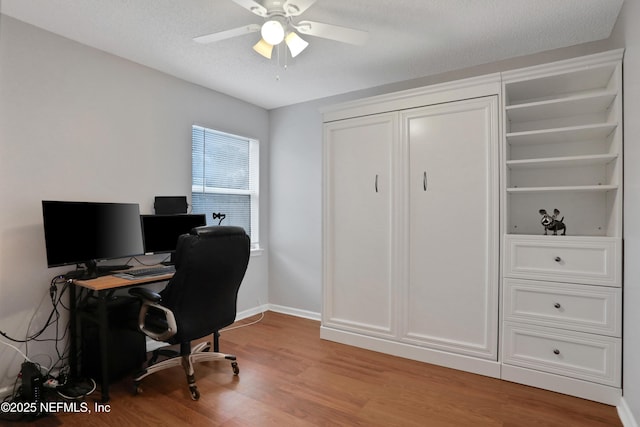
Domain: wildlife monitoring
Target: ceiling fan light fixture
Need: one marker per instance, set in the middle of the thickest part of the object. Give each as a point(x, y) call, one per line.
point(272, 32)
point(263, 48)
point(295, 43)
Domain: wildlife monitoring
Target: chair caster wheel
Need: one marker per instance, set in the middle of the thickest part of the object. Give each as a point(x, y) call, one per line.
point(195, 394)
point(234, 366)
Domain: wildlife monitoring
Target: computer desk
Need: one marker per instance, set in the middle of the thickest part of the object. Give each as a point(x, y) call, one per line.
point(103, 288)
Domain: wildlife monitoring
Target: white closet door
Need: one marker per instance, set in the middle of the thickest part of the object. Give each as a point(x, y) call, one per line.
point(452, 292)
point(358, 228)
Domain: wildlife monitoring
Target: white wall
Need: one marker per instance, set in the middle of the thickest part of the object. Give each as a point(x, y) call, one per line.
point(295, 261)
point(80, 124)
point(628, 31)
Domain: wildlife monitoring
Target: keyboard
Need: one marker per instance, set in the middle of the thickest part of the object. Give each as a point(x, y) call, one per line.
point(140, 273)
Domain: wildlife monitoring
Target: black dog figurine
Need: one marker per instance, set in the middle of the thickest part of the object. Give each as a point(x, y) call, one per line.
point(550, 223)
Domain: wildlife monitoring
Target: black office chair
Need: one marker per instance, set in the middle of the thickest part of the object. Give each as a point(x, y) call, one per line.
point(199, 300)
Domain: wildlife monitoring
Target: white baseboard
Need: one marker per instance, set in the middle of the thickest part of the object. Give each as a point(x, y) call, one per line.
point(294, 312)
point(252, 311)
point(624, 412)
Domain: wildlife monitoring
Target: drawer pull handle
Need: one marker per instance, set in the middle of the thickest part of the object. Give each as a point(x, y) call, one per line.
point(557, 259)
point(556, 351)
point(557, 305)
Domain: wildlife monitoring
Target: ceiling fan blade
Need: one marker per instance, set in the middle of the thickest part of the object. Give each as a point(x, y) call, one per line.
point(252, 6)
point(223, 35)
point(296, 7)
point(333, 32)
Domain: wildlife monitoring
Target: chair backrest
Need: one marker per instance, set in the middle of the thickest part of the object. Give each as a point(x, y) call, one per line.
point(211, 262)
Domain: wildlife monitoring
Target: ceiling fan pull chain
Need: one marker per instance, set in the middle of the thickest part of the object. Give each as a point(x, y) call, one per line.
point(286, 57)
point(278, 62)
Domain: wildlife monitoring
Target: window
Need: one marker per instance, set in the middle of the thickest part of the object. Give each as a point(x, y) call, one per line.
point(224, 170)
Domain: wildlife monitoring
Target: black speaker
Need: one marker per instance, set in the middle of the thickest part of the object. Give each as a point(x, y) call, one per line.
point(169, 205)
point(126, 346)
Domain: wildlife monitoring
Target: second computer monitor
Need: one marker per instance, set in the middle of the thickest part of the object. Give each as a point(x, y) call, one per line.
point(160, 232)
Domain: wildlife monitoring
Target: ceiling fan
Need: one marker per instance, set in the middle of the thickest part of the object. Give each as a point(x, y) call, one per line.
point(279, 27)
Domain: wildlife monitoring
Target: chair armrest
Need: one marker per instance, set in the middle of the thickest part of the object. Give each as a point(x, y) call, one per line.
point(167, 331)
point(145, 294)
point(150, 300)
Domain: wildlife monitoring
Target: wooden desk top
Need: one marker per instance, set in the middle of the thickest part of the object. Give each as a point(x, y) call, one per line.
point(112, 282)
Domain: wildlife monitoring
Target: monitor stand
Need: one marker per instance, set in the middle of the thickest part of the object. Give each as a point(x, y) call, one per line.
point(88, 273)
point(94, 270)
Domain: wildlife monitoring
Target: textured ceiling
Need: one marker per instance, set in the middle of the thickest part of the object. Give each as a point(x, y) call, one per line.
point(408, 39)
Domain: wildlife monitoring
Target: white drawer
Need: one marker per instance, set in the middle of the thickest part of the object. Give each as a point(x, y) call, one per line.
point(590, 260)
point(588, 357)
point(594, 309)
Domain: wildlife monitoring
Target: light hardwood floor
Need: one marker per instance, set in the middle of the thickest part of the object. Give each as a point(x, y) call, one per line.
point(290, 377)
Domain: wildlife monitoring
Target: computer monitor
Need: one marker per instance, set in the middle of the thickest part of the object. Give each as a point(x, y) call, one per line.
point(160, 232)
point(87, 232)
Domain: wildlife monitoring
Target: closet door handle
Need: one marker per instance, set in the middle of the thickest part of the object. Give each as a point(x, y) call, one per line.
point(424, 181)
point(376, 183)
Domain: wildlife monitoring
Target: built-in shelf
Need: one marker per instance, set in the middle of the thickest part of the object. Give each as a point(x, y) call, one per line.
point(559, 107)
point(563, 145)
point(565, 134)
point(562, 151)
point(572, 188)
point(557, 162)
point(537, 88)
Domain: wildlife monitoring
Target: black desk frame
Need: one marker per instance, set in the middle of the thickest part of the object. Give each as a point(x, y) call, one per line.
point(101, 319)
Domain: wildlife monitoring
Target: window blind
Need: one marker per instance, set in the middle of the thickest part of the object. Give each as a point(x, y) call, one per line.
point(224, 178)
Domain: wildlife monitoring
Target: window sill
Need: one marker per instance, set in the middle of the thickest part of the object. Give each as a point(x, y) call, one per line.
point(256, 251)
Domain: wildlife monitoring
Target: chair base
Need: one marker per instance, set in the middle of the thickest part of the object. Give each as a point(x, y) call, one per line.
point(200, 353)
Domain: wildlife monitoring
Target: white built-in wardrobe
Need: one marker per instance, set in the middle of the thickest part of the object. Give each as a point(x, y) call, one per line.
point(431, 200)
